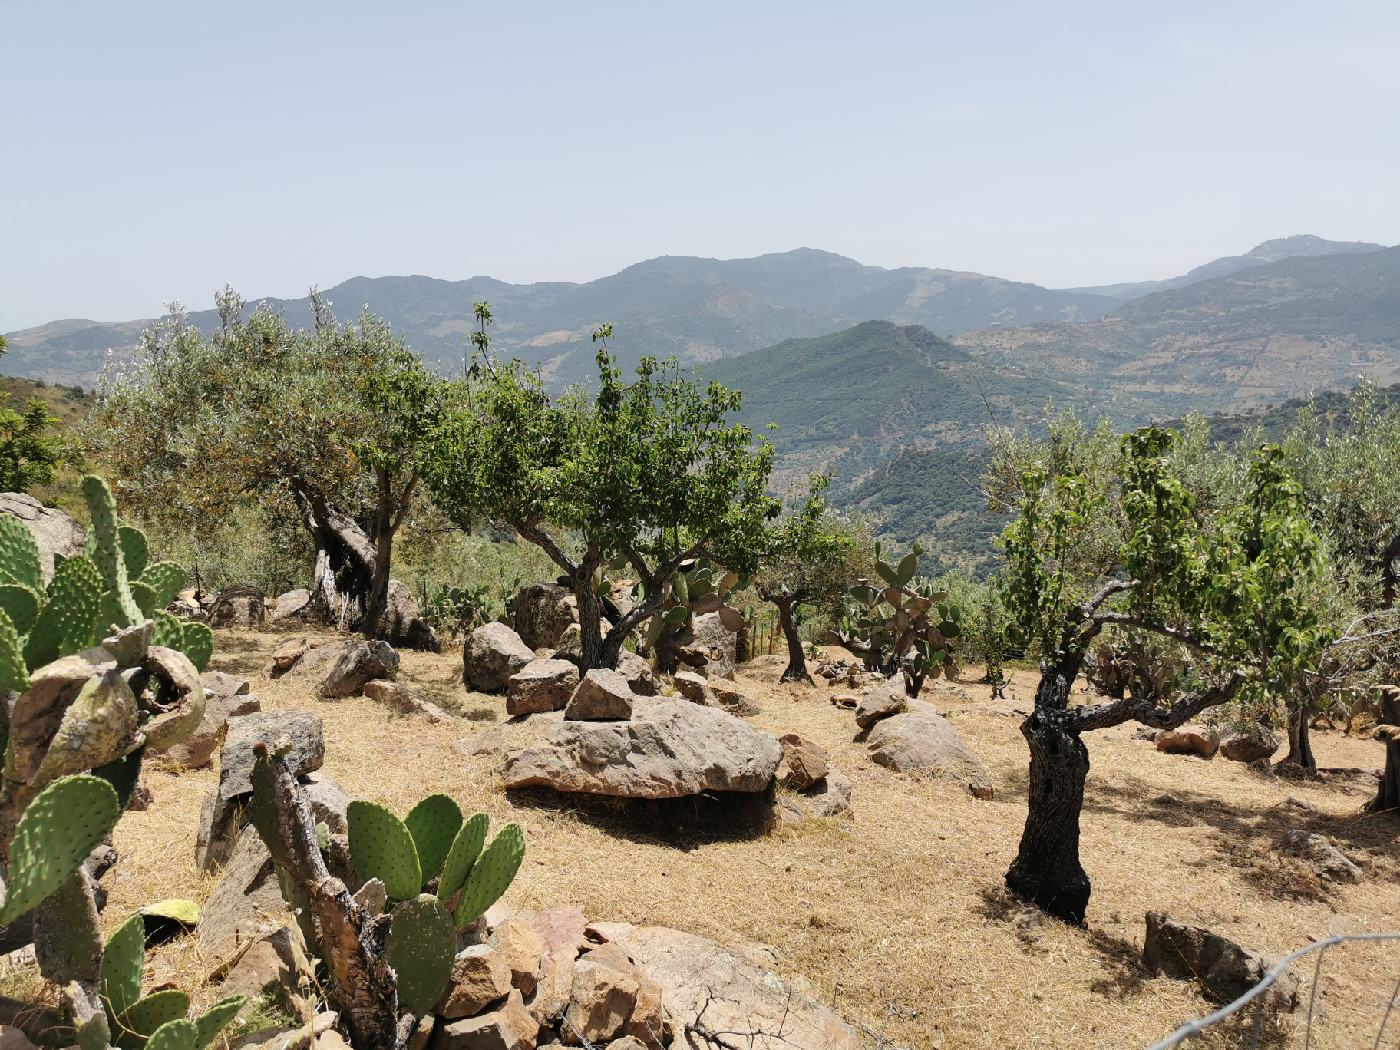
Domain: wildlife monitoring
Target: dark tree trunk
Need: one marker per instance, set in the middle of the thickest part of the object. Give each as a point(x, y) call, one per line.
point(796, 670)
point(667, 642)
point(1388, 795)
point(1300, 752)
point(590, 619)
point(372, 624)
point(1047, 871)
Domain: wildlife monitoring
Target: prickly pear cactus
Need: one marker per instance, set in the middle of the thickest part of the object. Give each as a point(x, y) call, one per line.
point(466, 847)
point(434, 824)
point(696, 589)
point(421, 945)
point(491, 875)
point(382, 848)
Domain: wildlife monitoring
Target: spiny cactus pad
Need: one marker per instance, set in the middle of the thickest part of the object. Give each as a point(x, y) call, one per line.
point(139, 1021)
point(164, 579)
point(434, 824)
point(382, 848)
point(21, 604)
point(198, 645)
point(421, 946)
point(107, 553)
point(491, 875)
point(123, 959)
point(19, 554)
point(214, 1020)
point(179, 1034)
point(68, 621)
point(466, 847)
point(14, 675)
point(56, 832)
point(135, 551)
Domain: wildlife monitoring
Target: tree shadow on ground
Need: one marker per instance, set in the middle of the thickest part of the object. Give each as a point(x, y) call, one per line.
point(680, 823)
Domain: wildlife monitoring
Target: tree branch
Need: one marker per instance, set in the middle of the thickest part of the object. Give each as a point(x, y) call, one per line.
point(1116, 712)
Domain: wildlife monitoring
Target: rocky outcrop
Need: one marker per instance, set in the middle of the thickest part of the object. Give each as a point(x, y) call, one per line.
point(541, 685)
point(1222, 968)
point(541, 613)
point(1320, 854)
point(1249, 744)
point(492, 653)
point(358, 663)
point(53, 530)
point(669, 749)
point(692, 686)
point(291, 605)
point(922, 741)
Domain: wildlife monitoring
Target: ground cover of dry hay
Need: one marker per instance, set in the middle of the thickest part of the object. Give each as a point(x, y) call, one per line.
point(896, 917)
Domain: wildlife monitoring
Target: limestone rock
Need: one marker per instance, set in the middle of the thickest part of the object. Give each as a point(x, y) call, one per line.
point(1320, 854)
point(541, 685)
point(404, 699)
point(402, 624)
point(692, 686)
point(803, 763)
point(1188, 740)
point(879, 701)
point(561, 935)
point(600, 696)
point(53, 530)
point(1249, 745)
point(480, 979)
point(600, 1002)
point(670, 748)
point(638, 673)
point(519, 945)
point(923, 741)
point(240, 607)
point(492, 653)
point(359, 662)
point(511, 1027)
point(291, 605)
point(541, 613)
point(737, 993)
point(1222, 968)
point(286, 655)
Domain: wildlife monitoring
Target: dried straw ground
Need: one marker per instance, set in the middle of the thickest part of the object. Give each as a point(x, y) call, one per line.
point(896, 917)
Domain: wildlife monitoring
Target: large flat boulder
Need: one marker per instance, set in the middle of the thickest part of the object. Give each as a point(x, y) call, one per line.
point(922, 741)
point(708, 987)
point(670, 748)
point(53, 530)
point(492, 653)
point(1223, 969)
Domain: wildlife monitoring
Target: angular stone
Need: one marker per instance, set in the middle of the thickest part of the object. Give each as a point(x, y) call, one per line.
point(328, 801)
point(541, 613)
point(732, 699)
point(197, 750)
point(691, 686)
point(491, 654)
point(519, 945)
point(480, 979)
point(291, 604)
point(561, 935)
point(829, 797)
point(541, 685)
point(600, 696)
point(1249, 745)
point(1222, 968)
point(600, 1003)
point(638, 673)
point(509, 1028)
point(220, 683)
point(286, 655)
point(1188, 740)
point(238, 607)
point(670, 748)
point(879, 701)
point(359, 663)
point(296, 734)
point(803, 763)
point(709, 645)
point(923, 741)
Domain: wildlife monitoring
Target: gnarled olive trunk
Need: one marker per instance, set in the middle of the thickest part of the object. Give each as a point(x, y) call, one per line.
point(1388, 794)
point(796, 670)
point(1047, 871)
point(1300, 752)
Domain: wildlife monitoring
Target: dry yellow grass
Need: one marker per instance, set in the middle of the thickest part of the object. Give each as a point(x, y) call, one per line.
point(897, 917)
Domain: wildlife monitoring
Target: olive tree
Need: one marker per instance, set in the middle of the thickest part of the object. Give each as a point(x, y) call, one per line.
point(322, 423)
point(813, 558)
point(1221, 598)
point(651, 471)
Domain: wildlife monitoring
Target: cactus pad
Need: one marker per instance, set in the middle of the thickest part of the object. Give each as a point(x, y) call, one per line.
point(68, 621)
point(56, 832)
point(135, 551)
point(422, 943)
point(138, 1022)
point(106, 553)
point(123, 959)
point(174, 1035)
point(168, 631)
point(99, 726)
point(434, 824)
point(491, 875)
point(382, 848)
point(164, 579)
point(214, 1020)
point(198, 644)
point(21, 603)
point(19, 554)
point(466, 847)
point(14, 675)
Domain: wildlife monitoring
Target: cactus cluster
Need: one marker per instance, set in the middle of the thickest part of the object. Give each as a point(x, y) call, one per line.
point(88, 693)
point(695, 589)
point(158, 1020)
point(901, 623)
point(433, 866)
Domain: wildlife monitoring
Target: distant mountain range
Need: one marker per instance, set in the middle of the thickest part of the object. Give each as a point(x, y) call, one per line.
point(887, 377)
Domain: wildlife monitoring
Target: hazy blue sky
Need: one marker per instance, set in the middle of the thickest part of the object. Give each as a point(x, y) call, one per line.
point(155, 151)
